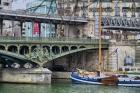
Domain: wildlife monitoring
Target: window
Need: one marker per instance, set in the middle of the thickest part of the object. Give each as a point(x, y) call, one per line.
point(5, 3)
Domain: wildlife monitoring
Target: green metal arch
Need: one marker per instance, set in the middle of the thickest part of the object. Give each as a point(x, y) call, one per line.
point(65, 49)
point(2, 47)
point(67, 53)
point(14, 47)
point(56, 49)
point(17, 56)
point(24, 48)
point(82, 47)
point(73, 47)
point(33, 47)
point(47, 47)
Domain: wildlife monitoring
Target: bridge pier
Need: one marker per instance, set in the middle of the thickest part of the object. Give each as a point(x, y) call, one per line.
point(36, 75)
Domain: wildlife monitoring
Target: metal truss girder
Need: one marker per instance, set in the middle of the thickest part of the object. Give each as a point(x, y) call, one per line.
point(121, 23)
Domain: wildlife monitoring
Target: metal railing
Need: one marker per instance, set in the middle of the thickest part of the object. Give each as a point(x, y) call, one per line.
point(53, 40)
point(121, 23)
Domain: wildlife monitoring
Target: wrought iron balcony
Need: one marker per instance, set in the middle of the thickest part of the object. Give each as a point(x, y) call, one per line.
point(121, 23)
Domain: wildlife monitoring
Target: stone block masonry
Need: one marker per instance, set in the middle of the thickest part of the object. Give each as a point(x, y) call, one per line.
point(37, 76)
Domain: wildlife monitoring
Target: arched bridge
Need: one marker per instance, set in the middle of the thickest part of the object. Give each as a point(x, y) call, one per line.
point(43, 50)
point(121, 23)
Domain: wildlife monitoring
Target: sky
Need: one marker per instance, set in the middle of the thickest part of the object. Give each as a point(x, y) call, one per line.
point(20, 4)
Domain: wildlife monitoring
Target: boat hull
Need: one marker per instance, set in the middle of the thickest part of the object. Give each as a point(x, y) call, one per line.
point(84, 81)
point(129, 82)
point(76, 79)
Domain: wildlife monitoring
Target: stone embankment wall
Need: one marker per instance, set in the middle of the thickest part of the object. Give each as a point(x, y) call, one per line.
point(39, 75)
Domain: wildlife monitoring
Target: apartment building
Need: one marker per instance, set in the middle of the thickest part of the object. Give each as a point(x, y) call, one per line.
point(8, 28)
point(90, 10)
point(47, 30)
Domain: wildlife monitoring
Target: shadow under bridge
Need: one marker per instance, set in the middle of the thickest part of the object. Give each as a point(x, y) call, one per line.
point(14, 60)
point(41, 55)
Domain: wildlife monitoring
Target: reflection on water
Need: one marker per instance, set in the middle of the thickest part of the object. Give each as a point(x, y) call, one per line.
point(64, 88)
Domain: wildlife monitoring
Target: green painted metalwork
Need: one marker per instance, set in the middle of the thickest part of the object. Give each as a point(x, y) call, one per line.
point(39, 40)
point(39, 55)
point(41, 50)
point(15, 55)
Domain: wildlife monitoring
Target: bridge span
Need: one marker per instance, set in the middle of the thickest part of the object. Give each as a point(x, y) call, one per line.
point(43, 50)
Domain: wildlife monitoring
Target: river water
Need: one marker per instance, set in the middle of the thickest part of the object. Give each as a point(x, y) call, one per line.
point(64, 87)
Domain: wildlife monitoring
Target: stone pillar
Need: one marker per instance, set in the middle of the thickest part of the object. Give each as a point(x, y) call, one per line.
point(84, 8)
point(116, 7)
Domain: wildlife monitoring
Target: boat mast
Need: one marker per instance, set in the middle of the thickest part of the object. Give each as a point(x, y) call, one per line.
point(100, 32)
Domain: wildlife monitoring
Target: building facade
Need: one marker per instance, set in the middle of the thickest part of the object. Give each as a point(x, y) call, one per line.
point(90, 9)
point(45, 8)
point(6, 26)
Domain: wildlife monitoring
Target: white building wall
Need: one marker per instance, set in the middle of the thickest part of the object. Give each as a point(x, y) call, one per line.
point(7, 25)
point(93, 10)
point(47, 30)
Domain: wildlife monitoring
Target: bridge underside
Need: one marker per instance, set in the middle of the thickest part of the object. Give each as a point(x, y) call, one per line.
point(86, 59)
point(9, 60)
point(12, 62)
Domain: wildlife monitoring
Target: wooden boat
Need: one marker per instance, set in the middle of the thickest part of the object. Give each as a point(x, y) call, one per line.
point(94, 78)
point(105, 79)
